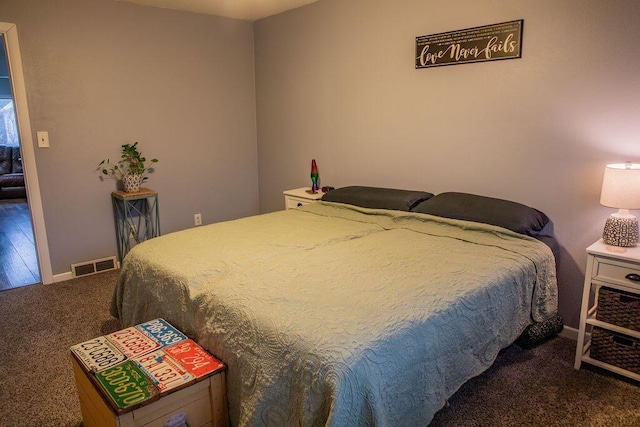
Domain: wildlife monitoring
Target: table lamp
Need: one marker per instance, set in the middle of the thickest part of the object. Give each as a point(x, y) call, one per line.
point(621, 190)
point(314, 177)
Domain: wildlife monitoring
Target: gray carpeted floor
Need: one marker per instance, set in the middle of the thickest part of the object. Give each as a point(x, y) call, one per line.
point(39, 324)
point(537, 387)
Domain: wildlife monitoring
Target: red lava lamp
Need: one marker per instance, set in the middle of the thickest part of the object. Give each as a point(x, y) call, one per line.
point(314, 177)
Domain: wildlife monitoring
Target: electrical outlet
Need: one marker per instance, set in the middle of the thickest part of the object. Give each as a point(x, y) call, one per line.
point(197, 219)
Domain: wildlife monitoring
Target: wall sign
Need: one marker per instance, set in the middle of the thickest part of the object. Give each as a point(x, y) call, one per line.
point(478, 44)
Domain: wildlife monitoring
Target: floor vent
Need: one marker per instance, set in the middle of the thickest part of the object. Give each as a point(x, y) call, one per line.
point(93, 267)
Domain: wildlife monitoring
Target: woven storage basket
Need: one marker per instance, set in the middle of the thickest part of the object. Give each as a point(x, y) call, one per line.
point(619, 308)
point(615, 349)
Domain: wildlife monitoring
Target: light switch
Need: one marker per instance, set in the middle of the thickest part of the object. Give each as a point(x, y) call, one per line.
point(43, 139)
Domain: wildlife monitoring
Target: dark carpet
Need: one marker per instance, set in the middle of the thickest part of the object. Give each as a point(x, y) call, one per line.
point(536, 387)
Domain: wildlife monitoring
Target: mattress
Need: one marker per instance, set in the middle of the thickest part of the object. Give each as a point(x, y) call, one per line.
point(332, 314)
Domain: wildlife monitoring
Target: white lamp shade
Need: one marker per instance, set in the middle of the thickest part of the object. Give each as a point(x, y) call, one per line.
point(621, 186)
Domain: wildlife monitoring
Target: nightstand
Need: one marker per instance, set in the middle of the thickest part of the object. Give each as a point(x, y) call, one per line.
point(299, 197)
point(609, 330)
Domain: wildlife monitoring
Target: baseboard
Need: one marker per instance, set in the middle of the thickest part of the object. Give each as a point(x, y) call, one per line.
point(62, 277)
point(569, 332)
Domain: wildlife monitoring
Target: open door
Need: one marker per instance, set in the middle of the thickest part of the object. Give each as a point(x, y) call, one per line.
point(16, 79)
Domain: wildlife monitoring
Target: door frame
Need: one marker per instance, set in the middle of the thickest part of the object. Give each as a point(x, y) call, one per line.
point(27, 150)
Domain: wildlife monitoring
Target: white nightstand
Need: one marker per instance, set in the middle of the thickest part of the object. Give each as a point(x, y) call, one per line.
point(299, 197)
point(618, 271)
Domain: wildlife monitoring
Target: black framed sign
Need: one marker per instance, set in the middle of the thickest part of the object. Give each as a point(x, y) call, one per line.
point(478, 44)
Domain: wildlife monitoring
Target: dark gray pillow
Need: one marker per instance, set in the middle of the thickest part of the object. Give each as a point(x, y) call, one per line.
point(377, 198)
point(470, 207)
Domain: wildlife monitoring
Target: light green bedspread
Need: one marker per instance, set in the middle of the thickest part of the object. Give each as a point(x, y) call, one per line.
point(335, 315)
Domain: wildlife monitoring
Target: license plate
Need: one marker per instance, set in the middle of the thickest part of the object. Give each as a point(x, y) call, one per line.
point(126, 385)
point(193, 357)
point(166, 372)
point(133, 342)
point(162, 331)
point(98, 354)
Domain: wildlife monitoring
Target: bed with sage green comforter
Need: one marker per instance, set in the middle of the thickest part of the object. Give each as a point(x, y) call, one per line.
point(336, 315)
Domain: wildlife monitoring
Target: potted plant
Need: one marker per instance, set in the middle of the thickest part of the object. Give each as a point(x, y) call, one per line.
point(131, 168)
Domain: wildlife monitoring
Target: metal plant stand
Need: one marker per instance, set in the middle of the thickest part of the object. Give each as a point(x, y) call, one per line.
point(136, 217)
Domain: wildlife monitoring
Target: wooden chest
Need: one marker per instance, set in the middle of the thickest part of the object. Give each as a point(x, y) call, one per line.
point(204, 403)
point(149, 375)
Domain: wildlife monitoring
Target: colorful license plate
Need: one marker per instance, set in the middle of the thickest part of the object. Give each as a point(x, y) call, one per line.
point(165, 371)
point(162, 331)
point(98, 354)
point(193, 357)
point(126, 385)
point(133, 342)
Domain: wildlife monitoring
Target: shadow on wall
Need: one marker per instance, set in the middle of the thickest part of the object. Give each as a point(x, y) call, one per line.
point(569, 272)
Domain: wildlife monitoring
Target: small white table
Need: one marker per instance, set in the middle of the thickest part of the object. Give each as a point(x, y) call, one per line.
point(617, 268)
point(300, 197)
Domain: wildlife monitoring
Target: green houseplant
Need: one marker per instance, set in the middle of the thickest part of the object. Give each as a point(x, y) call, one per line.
point(130, 169)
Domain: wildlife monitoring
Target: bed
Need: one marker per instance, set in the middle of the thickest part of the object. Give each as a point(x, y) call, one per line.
point(370, 307)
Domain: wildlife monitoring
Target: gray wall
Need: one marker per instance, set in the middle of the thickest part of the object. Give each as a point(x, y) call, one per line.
point(101, 73)
point(335, 81)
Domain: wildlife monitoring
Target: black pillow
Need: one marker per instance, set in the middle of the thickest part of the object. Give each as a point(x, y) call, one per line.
point(377, 198)
point(470, 207)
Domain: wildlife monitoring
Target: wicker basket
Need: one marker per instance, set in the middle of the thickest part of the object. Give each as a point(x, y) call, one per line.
point(619, 308)
point(615, 349)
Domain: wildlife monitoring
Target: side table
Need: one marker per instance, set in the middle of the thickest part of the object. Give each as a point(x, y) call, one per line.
point(609, 332)
point(300, 197)
point(136, 216)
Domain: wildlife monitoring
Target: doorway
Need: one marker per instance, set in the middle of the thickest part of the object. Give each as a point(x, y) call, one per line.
point(12, 46)
point(18, 256)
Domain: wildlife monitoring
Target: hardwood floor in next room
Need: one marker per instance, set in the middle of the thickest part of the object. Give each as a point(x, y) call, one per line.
point(18, 259)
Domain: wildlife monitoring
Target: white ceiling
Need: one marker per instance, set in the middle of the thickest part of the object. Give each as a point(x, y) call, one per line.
point(239, 9)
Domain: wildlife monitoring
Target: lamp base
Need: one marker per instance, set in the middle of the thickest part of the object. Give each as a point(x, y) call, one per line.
point(621, 231)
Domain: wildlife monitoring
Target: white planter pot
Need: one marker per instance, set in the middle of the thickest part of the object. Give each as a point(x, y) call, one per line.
point(132, 182)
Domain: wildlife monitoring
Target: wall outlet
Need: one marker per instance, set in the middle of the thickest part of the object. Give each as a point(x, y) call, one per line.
point(197, 219)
